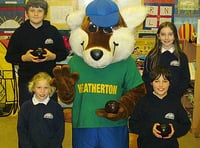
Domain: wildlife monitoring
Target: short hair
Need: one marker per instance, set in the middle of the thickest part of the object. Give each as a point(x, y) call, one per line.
point(160, 71)
point(37, 4)
point(38, 77)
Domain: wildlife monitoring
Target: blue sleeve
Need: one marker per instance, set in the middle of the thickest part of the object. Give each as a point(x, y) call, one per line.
point(185, 74)
point(182, 124)
point(13, 55)
point(137, 122)
point(60, 50)
point(22, 128)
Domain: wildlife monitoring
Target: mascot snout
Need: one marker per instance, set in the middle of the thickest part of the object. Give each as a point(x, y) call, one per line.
point(96, 54)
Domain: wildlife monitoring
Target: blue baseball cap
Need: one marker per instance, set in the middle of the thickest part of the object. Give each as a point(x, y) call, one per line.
point(103, 13)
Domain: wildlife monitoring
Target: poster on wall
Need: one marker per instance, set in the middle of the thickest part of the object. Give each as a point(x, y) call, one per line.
point(10, 19)
point(142, 48)
point(158, 12)
point(187, 12)
point(58, 10)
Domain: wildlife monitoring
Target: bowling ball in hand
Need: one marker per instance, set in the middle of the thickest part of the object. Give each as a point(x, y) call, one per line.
point(165, 129)
point(112, 106)
point(39, 53)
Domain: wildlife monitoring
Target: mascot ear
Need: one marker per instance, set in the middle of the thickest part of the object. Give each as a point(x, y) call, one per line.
point(135, 20)
point(75, 19)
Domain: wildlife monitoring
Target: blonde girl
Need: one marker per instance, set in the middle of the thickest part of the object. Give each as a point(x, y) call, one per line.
point(40, 119)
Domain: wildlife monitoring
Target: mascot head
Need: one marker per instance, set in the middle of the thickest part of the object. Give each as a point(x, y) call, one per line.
point(102, 33)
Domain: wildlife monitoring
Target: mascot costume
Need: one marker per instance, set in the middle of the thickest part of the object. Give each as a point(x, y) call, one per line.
point(101, 70)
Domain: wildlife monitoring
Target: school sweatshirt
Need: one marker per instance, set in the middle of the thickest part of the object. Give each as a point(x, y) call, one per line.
point(27, 37)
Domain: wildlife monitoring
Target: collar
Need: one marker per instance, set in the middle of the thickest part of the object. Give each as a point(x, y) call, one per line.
point(171, 50)
point(160, 97)
point(36, 101)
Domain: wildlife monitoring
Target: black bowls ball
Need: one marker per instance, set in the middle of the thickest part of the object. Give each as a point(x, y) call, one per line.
point(39, 53)
point(112, 106)
point(165, 129)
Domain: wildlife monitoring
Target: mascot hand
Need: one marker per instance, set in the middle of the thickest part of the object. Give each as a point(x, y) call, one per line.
point(121, 114)
point(127, 104)
point(131, 98)
point(64, 81)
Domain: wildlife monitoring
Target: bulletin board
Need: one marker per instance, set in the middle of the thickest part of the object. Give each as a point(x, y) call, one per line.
point(158, 12)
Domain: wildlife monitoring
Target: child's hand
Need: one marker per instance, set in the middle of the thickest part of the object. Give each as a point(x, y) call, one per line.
point(28, 57)
point(155, 131)
point(49, 56)
point(172, 132)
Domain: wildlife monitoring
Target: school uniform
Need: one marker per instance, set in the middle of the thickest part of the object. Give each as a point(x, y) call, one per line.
point(40, 125)
point(150, 110)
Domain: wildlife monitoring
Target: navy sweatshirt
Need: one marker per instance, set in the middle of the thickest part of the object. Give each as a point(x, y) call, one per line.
point(27, 37)
point(41, 126)
point(150, 110)
point(180, 72)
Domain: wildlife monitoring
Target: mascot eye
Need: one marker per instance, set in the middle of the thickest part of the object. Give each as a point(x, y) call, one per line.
point(93, 28)
point(108, 30)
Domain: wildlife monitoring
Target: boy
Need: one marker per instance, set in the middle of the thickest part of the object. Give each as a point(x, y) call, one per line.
point(35, 33)
point(159, 107)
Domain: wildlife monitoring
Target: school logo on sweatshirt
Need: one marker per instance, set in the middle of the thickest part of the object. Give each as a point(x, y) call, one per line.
point(175, 63)
point(170, 116)
point(49, 41)
point(48, 116)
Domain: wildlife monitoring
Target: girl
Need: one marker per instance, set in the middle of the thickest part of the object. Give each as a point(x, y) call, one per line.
point(41, 119)
point(167, 53)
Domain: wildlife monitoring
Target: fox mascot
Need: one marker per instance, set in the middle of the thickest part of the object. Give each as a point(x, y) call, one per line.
point(101, 70)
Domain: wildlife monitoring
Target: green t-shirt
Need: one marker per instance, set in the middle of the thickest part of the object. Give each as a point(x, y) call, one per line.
point(96, 86)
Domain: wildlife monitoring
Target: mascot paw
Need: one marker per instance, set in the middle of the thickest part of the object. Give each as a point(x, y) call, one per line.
point(64, 81)
point(121, 114)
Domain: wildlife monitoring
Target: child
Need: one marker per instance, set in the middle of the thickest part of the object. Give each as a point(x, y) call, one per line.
point(41, 120)
point(156, 108)
point(167, 52)
point(35, 33)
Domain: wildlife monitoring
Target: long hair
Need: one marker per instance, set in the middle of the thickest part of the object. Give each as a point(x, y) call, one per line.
point(154, 54)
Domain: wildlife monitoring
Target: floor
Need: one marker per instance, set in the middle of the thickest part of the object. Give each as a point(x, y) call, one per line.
point(8, 135)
